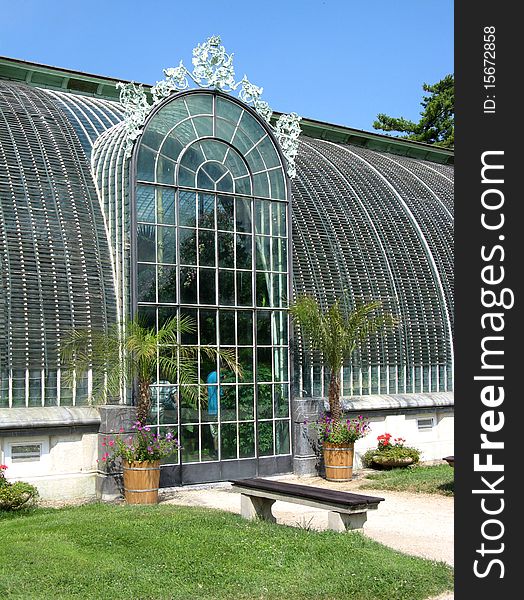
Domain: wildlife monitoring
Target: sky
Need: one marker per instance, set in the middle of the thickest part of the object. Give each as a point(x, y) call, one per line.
point(339, 61)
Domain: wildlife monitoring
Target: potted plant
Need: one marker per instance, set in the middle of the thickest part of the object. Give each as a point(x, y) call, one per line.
point(141, 454)
point(390, 453)
point(338, 442)
point(336, 333)
point(16, 495)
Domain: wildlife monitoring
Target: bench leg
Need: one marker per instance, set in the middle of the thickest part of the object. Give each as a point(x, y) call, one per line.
point(253, 507)
point(346, 522)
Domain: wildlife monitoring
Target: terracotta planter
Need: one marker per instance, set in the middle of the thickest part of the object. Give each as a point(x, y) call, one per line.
point(141, 480)
point(392, 462)
point(338, 460)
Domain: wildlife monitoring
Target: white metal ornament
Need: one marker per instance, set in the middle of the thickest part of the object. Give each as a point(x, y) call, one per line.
point(212, 68)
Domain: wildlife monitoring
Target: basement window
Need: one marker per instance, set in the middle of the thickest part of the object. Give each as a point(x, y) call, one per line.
point(425, 424)
point(26, 452)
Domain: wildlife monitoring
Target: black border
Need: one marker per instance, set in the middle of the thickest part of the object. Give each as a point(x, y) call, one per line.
point(477, 132)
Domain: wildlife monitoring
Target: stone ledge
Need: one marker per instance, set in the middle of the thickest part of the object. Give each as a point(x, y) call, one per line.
point(48, 416)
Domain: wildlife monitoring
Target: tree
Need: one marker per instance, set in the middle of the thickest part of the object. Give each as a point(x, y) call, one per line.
point(120, 356)
point(336, 335)
point(437, 125)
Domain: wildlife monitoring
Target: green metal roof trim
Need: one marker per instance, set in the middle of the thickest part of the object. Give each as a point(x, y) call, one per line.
point(86, 84)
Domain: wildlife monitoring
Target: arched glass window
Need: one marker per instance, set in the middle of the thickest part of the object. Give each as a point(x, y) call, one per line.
point(212, 224)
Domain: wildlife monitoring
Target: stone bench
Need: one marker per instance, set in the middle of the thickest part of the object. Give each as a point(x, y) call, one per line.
point(346, 510)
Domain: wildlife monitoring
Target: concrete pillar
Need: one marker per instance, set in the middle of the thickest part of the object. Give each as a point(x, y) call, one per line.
point(306, 459)
point(114, 421)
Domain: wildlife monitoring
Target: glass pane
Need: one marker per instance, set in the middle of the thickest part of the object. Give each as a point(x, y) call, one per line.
point(281, 400)
point(245, 328)
point(203, 126)
point(226, 251)
point(224, 130)
point(244, 253)
point(279, 254)
point(235, 164)
point(227, 327)
point(263, 248)
point(147, 317)
point(204, 181)
point(165, 202)
point(228, 403)
point(228, 110)
point(280, 357)
point(166, 245)
point(208, 334)
point(187, 209)
point(243, 186)
point(146, 283)
point(213, 150)
point(206, 248)
point(186, 177)
point(171, 148)
point(278, 218)
point(189, 337)
point(263, 287)
point(245, 358)
point(246, 440)
point(278, 187)
point(243, 215)
point(207, 286)
point(188, 288)
point(263, 328)
point(145, 204)
point(225, 207)
point(226, 287)
point(265, 438)
point(246, 402)
point(146, 164)
point(166, 284)
point(209, 441)
point(268, 152)
point(146, 243)
point(261, 185)
point(187, 246)
point(282, 437)
point(165, 170)
point(193, 157)
point(225, 184)
point(228, 440)
point(206, 211)
point(262, 221)
point(252, 127)
point(199, 104)
point(244, 288)
point(264, 371)
point(189, 442)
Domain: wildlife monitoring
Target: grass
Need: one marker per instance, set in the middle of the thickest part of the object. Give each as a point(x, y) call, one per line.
point(436, 479)
point(171, 552)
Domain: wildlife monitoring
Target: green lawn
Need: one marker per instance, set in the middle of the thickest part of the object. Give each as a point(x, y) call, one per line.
point(171, 552)
point(437, 479)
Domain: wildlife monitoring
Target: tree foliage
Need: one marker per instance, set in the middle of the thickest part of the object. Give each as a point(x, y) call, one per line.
point(336, 334)
point(437, 123)
point(122, 355)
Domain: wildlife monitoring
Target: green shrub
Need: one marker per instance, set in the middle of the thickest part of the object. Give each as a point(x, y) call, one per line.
point(17, 495)
point(389, 450)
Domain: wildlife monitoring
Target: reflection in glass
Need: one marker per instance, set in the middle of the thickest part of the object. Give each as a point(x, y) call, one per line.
point(166, 245)
point(165, 201)
point(244, 253)
point(146, 283)
point(226, 287)
point(188, 244)
point(265, 438)
point(282, 437)
point(246, 440)
point(228, 440)
point(188, 285)
point(145, 204)
point(207, 286)
point(189, 443)
point(264, 401)
point(146, 247)
point(166, 284)
point(225, 213)
point(243, 215)
point(187, 208)
point(227, 327)
point(245, 402)
point(244, 288)
point(206, 248)
point(245, 328)
point(226, 250)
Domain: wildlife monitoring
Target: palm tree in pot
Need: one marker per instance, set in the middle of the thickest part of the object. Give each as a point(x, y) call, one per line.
point(336, 334)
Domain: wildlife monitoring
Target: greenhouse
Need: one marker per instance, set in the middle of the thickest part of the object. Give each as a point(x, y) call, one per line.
point(198, 202)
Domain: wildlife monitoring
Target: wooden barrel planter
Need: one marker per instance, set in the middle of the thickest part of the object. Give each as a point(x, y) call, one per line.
point(338, 461)
point(141, 480)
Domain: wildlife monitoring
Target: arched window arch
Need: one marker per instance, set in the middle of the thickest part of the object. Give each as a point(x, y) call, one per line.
point(211, 216)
